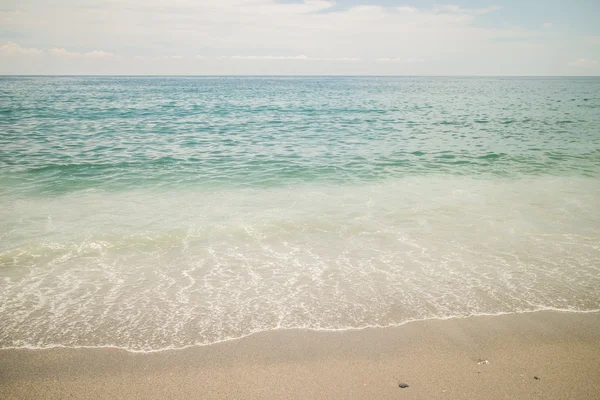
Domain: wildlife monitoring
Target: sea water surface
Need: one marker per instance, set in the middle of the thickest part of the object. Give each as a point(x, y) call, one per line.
point(161, 212)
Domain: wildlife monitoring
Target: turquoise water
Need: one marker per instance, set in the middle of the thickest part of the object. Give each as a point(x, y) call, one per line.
point(161, 212)
point(67, 134)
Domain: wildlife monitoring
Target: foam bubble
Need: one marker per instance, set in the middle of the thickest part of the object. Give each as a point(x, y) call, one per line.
point(146, 270)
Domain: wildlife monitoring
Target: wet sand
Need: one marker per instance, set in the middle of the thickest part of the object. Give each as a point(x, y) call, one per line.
point(542, 355)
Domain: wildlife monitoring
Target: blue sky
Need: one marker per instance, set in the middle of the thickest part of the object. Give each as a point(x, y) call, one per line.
point(343, 37)
point(581, 16)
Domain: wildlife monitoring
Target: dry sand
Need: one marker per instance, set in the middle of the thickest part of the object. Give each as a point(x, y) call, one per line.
point(437, 359)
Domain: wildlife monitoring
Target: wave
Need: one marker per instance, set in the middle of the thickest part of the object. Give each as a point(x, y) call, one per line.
point(343, 329)
point(85, 268)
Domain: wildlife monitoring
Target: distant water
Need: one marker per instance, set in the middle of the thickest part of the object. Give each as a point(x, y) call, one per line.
point(152, 213)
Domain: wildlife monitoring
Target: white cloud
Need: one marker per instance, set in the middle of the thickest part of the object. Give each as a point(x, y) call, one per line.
point(232, 36)
point(98, 54)
point(450, 8)
point(407, 9)
point(13, 49)
point(230, 25)
point(584, 63)
point(61, 52)
point(547, 25)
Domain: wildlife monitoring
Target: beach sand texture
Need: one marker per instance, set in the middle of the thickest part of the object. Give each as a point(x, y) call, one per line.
point(542, 355)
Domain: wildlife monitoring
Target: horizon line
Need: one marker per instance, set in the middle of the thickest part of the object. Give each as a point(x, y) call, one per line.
point(303, 75)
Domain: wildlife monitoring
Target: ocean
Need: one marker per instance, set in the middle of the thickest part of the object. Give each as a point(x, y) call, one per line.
point(152, 213)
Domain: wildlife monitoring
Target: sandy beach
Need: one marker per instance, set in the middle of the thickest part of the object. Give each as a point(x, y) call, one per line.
point(542, 355)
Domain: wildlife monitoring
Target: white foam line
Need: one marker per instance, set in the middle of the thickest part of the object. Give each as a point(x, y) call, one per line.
point(343, 329)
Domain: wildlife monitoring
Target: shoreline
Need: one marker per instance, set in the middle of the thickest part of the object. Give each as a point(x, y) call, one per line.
point(496, 356)
point(278, 330)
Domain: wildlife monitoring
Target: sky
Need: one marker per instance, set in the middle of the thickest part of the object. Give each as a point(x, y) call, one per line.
point(300, 37)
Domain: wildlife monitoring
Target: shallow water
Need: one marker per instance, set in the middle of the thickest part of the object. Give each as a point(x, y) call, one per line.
point(151, 213)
